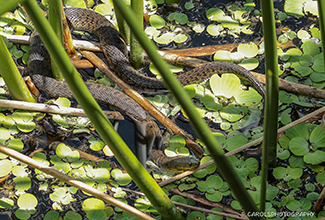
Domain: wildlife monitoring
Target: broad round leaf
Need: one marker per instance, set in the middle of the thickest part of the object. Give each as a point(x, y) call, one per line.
point(298, 146)
point(27, 201)
point(314, 158)
point(228, 85)
point(93, 204)
point(6, 167)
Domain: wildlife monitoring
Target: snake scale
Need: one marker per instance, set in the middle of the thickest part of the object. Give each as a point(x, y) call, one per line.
point(115, 50)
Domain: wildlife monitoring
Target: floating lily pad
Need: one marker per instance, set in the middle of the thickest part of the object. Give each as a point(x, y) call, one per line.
point(249, 64)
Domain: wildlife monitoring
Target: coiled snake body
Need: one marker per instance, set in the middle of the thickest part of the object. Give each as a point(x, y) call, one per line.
point(116, 53)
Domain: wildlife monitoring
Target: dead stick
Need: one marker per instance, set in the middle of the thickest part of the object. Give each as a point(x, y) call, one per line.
point(53, 109)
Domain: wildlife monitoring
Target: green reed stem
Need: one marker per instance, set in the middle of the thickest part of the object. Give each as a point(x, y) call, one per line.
point(121, 151)
point(136, 52)
point(12, 77)
point(9, 5)
point(321, 11)
point(201, 128)
point(271, 99)
point(122, 27)
point(55, 19)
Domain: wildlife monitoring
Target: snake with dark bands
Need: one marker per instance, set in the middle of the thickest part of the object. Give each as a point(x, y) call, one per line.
point(116, 53)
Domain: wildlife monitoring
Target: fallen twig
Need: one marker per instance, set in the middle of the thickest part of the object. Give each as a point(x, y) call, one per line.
point(54, 109)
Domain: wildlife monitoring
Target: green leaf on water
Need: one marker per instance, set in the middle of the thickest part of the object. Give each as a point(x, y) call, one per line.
point(314, 158)
point(157, 21)
point(298, 146)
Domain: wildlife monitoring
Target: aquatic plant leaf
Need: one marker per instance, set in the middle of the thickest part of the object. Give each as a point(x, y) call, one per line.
point(200, 173)
point(75, 3)
point(96, 145)
point(6, 167)
point(214, 30)
point(228, 85)
point(248, 97)
point(106, 9)
point(4, 133)
point(152, 32)
point(283, 154)
point(215, 196)
point(96, 215)
point(236, 205)
point(70, 215)
point(314, 158)
point(22, 183)
point(100, 175)
point(311, 7)
point(177, 141)
point(222, 55)
point(196, 215)
point(303, 70)
point(310, 48)
point(300, 130)
point(318, 64)
point(298, 146)
point(235, 142)
point(189, 5)
point(24, 213)
point(214, 181)
point(198, 28)
point(233, 113)
point(249, 64)
point(27, 201)
point(317, 137)
point(15, 144)
point(6, 203)
point(215, 14)
point(157, 21)
point(180, 18)
point(180, 38)
point(93, 204)
point(250, 50)
point(294, 7)
point(210, 103)
point(143, 203)
point(317, 77)
point(165, 38)
point(271, 192)
point(121, 178)
point(306, 60)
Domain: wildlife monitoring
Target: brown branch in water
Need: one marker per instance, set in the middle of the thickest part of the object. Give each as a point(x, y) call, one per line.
point(203, 201)
point(54, 109)
point(73, 182)
point(235, 214)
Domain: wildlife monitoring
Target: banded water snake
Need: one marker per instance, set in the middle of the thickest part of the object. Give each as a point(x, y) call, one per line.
point(116, 53)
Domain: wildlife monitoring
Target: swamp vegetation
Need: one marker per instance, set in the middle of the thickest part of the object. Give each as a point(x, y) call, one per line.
point(225, 31)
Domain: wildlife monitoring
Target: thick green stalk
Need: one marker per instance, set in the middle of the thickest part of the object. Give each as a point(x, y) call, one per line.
point(55, 19)
point(123, 154)
point(271, 99)
point(9, 5)
point(136, 52)
point(122, 27)
point(200, 126)
point(8, 70)
point(321, 11)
